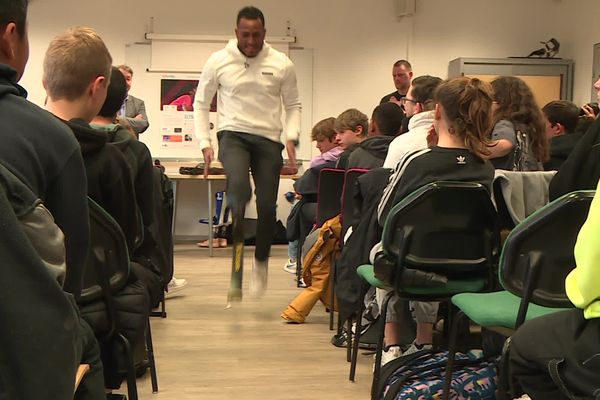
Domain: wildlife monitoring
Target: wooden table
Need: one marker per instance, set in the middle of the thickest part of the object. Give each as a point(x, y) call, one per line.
point(176, 176)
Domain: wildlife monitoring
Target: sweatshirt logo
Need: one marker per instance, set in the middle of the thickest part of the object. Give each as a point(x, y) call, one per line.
point(267, 73)
point(461, 160)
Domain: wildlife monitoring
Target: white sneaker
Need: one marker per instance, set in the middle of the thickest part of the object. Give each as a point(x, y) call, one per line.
point(414, 348)
point(258, 278)
point(390, 354)
point(290, 266)
point(174, 286)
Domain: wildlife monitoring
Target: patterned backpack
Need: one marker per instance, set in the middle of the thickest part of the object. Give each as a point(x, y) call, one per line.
point(420, 376)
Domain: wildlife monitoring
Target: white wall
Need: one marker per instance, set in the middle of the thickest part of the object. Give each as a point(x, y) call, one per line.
point(354, 42)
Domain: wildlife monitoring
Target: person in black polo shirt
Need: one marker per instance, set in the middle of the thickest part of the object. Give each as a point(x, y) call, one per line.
point(402, 74)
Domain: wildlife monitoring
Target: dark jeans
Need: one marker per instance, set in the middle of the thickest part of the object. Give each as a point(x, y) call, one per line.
point(557, 356)
point(240, 152)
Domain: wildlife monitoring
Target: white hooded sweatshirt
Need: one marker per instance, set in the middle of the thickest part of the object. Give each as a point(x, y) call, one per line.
point(251, 92)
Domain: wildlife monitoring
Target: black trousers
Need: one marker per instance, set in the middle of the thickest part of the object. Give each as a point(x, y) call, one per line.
point(557, 356)
point(92, 384)
point(242, 152)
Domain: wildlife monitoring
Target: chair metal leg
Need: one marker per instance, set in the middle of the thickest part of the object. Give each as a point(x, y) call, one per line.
point(163, 308)
point(459, 317)
point(379, 350)
point(356, 337)
point(131, 383)
point(340, 324)
point(349, 336)
point(332, 297)
point(150, 351)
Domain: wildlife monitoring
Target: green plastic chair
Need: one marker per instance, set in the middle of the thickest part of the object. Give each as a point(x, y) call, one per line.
point(448, 228)
point(536, 258)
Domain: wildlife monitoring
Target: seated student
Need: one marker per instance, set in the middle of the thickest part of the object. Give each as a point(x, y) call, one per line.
point(418, 106)
point(351, 128)
point(303, 215)
point(518, 138)
point(42, 318)
point(141, 168)
point(462, 124)
point(557, 356)
point(383, 128)
point(37, 148)
point(77, 68)
point(581, 170)
point(561, 118)
point(109, 180)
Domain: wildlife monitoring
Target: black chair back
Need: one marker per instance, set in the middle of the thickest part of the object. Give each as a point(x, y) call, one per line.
point(539, 252)
point(329, 195)
point(348, 200)
point(107, 264)
point(449, 228)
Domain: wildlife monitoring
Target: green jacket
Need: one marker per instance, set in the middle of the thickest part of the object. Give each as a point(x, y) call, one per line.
point(583, 283)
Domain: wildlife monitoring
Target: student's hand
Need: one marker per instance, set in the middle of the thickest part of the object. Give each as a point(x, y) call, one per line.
point(588, 111)
point(139, 116)
point(208, 154)
point(290, 146)
point(394, 100)
point(297, 196)
point(432, 136)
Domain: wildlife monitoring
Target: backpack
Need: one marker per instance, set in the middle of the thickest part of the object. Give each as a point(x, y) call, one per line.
point(421, 376)
point(523, 157)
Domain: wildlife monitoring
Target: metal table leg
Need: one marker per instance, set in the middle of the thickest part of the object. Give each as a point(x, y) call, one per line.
point(210, 219)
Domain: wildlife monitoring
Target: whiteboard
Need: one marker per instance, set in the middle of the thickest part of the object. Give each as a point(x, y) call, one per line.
point(146, 86)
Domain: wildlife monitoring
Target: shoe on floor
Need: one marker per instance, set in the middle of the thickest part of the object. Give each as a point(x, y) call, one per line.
point(290, 266)
point(414, 347)
point(389, 354)
point(258, 278)
point(175, 286)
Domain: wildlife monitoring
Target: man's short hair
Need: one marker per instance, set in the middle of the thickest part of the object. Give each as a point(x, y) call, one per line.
point(323, 130)
point(126, 68)
point(115, 94)
point(73, 60)
point(250, 12)
point(423, 90)
point(562, 112)
point(404, 64)
point(388, 117)
point(351, 119)
point(13, 11)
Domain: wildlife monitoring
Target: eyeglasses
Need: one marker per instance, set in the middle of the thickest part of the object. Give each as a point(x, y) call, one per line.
point(404, 99)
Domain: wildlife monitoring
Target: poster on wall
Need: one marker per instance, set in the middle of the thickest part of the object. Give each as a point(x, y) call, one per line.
point(177, 112)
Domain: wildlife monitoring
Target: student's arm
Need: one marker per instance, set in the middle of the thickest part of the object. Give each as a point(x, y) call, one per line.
point(119, 197)
point(504, 139)
point(583, 283)
point(139, 123)
point(66, 198)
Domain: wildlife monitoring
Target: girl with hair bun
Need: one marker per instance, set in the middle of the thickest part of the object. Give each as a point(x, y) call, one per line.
point(459, 150)
point(518, 138)
point(458, 141)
